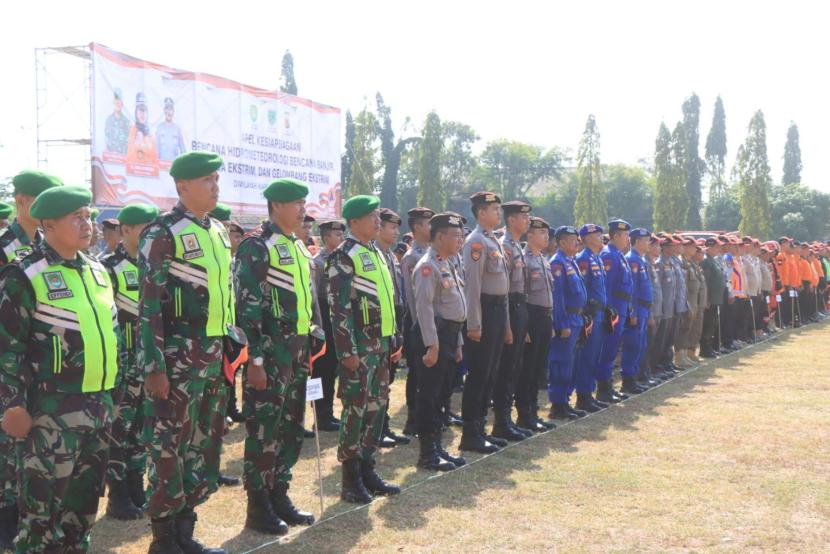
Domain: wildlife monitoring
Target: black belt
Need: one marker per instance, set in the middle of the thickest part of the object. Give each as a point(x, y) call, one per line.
point(453, 326)
point(622, 295)
point(538, 308)
point(517, 297)
point(577, 311)
point(493, 298)
point(644, 303)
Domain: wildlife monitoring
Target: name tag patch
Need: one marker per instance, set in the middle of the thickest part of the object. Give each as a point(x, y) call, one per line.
point(192, 248)
point(366, 261)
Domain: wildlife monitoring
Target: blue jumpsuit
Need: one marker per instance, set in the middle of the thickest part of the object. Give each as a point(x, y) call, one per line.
point(620, 290)
point(635, 337)
point(587, 357)
point(569, 299)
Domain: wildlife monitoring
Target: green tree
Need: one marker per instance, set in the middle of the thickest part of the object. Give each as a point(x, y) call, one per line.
point(723, 212)
point(431, 194)
point(347, 159)
point(511, 168)
point(287, 82)
point(693, 164)
point(390, 154)
point(716, 152)
point(364, 152)
point(458, 163)
point(799, 212)
point(792, 157)
point(754, 181)
point(629, 194)
point(557, 205)
point(662, 179)
point(591, 198)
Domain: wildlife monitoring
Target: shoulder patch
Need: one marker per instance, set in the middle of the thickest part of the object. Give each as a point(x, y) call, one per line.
point(426, 270)
point(557, 270)
point(476, 249)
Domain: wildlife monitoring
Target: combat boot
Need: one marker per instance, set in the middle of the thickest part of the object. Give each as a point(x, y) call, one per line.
point(373, 482)
point(135, 485)
point(605, 392)
point(119, 504)
point(502, 428)
point(185, 524)
point(285, 509)
point(352, 489)
point(482, 425)
point(561, 411)
point(473, 441)
point(164, 537)
point(9, 517)
point(457, 461)
point(396, 438)
point(526, 421)
point(585, 402)
point(260, 514)
point(630, 386)
point(428, 457)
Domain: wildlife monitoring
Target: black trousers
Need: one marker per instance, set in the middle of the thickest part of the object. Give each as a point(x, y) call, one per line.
point(742, 319)
point(326, 366)
point(668, 326)
point(482, 358)
point(785, 307)
point(412, 374)
point(534, 358)
point(511, 357)
point(709, 337)
point(434, 381)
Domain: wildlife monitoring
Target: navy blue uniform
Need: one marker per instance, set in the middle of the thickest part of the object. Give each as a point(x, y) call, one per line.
point(635, 337)
point(620, 290)
point(569, 300)
point(587, 357)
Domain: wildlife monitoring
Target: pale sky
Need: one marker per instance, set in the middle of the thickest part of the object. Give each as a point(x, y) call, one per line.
point(526, 71)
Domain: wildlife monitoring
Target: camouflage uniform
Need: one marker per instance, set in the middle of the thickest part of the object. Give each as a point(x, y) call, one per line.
point(127, 453)
point(43, 367)
point(365, 392)
point(183, 433)
point(271, 308)
point(14, 242)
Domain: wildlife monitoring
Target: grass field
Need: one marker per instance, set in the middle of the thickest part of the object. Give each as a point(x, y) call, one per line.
point(733, 456)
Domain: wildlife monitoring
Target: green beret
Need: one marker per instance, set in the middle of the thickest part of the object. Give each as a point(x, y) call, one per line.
point(285, 190)
point(360, 205)
point(6, 210)
point(94, 213)
point(136, 214)
point(193, 165)
point(32, 183)
point(222, 212)
point(58, 201)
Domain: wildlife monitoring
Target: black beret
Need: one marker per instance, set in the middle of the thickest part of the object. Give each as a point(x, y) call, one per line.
point(390, 216)
point(308, 219)
point(332, 225)
point(192, 165)
point(639, 233)
point(419, 212)
point(566, 230)
point(539, 223)
point(400, 248)
point(445, 220)
point(110, 224)
point(484, 197)
point(516, 207)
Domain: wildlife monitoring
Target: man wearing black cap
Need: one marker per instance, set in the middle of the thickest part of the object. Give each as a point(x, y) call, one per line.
point(488, 324)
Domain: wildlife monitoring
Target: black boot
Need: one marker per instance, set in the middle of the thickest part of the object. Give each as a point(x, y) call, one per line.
point(526, 421)
point(630, 386)
point(605, 392)
point(261, 516)
point(353, 490)
point(561, 411)
point(9, 517)
point(285, 509)
point(164, 537)
point(185, 524)
point(502, 428)
point(135, 485)
point(576, 412)
point(482, 426)
point(457, 461)
point(585, 402)
point(225, 480)
point(428, 457)
point(372, 481)
point(119, 504)
point(473, 441)
point(389, 433)
point(308, 434)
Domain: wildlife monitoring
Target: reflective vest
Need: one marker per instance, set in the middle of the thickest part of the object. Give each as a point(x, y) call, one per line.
point(126, 297)
point(289, 275)
point(81, 301)
point(203, 259)
point(373, 282)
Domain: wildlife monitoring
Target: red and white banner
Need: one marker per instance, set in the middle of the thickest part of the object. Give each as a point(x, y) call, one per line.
point(146, 114)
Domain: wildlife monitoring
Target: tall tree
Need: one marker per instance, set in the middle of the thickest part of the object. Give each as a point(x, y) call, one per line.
point(511, 168)
point(287, 82)
point(364, 162)
point(391, 155)
point(792, 157)
point(591, 198)
point(754, 181)
point(716, 152)
point(694, 165)
point(629, 194)
point(458, 162)
point(670, 198)
point(431, 193)
point(347, 159)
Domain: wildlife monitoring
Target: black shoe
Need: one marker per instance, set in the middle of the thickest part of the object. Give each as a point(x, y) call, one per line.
point(454, 420)
point(606, 393)
point(373, 482)
point(328, 425)
point(353, 490)
point(428, 457)
point(227, 481)
point(707, 354)
point(473, 441)
point(585, 402)
point(386, 442)
point(577, 413)
point(119, 504)
point(502, 428)
point(561, 411)
point(546, 423)
point(457, 461)
point(261, 516)
point(185, 523)
point(399, 439)
point(285, 509)
point(308, 434)
point(135, 486)
point(630, 386)
point(164, 537)
point(525, 421)
point(600, 405)
point(235, 415)
point(9, 517)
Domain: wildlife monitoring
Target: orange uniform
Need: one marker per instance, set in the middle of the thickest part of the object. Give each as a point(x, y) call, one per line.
point(818, 272)
point(805, 271)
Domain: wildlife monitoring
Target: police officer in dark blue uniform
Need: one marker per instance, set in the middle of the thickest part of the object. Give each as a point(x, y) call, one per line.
point(635, 335)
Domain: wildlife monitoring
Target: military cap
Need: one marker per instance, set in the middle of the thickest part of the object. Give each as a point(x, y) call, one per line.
point(235, 227)
point(360, 205)
point(713, 241)
point(390, 216)
point(782, 240)
point(419, 212)
point(538, 223)
point(667, 240)
point(652, 238)
point(484, 197)
point(5, 210)
point(309, 218)
point(565, 230)
point(136, 214)
point(222, 212)
point(445, 220)
point(111, 223)
point(638, 233)
point(589, 228)
point(192, 165)
point(687, 241)
point(32, 182)
point(285, 190)
point(400, 248)
point(747, 240)
point(168, 102)
point(765, 248)
point(618, 225)
point(58, 201)
point(332, 225)
point(516, 207)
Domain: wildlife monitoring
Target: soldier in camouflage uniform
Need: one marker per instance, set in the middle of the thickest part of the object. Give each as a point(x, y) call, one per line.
point(361, 301)
point(185, 310)
point(125, 470)
point(277, 311)
point(59, 349)
point(17, 240)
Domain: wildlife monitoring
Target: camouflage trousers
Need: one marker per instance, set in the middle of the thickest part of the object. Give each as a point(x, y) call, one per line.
point(365, 397)
point(183, 437)
point(127, 452)
point(61, 471)
point(271, 417)
point(8, 471)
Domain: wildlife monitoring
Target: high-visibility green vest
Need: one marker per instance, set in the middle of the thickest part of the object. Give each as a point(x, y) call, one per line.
point(79, 300)
point(126, 296)
point(372, 278)
point(203, 258)
point(290, 277)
